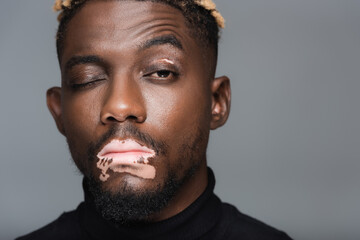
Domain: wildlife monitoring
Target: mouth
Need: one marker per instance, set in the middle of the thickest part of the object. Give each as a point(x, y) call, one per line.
point(126, 152)
point(126, 156)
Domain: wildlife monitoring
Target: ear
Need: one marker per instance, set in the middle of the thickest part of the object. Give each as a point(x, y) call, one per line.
point(221, 99)
point(53, 100)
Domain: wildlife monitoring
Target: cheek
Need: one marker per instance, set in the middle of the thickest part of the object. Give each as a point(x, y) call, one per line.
point(80, 115)
point(180, 112)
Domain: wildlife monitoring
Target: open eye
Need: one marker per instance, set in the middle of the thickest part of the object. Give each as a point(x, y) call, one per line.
point(161, 74)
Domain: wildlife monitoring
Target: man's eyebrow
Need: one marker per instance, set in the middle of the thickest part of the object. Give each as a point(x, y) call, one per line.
point(166, 39)
point(76, 60)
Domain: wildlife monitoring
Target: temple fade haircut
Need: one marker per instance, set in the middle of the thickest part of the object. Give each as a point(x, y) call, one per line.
point(202, 18)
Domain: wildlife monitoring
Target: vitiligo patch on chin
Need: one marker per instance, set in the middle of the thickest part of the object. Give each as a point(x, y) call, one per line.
point(126, 156)
point(103, 165)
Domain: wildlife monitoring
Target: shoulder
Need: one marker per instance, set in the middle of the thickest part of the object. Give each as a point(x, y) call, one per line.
point(241, 225)
point(65, 227)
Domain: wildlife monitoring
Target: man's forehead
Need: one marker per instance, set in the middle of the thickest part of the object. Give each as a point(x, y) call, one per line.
point(130, 17)
point(127, 24)
point(209, 5)
point(126, 14)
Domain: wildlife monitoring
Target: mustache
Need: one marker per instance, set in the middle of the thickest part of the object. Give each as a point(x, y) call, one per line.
point(127, 131)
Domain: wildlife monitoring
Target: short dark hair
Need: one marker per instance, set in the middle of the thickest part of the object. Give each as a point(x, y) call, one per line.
point(200, 21)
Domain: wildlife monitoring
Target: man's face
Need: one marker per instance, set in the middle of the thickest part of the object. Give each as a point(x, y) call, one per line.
point(132, 73)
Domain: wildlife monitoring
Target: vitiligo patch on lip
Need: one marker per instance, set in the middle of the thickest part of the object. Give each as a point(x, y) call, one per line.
point(126, 156)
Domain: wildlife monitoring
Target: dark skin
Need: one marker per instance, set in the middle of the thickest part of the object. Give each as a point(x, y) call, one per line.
point(136, 63)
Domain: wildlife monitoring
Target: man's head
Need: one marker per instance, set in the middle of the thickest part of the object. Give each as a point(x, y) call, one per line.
point(137, 101)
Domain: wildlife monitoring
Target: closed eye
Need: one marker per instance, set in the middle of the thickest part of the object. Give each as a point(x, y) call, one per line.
point(87, 84)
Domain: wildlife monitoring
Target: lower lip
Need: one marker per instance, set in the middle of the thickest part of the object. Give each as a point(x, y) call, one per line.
point(144, 171)
point(132, 162)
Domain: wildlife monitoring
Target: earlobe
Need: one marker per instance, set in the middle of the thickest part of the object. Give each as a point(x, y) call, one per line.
point(221, 99)
point(53, 100)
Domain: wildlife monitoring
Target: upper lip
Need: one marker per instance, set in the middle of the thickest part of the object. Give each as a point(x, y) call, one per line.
point(124, 146)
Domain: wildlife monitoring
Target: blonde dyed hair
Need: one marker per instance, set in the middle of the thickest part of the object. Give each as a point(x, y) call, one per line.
point(209, 5)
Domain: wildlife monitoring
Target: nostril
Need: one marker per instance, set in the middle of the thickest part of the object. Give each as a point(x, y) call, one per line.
point(121, 119)
point(131, 117)
point(111, 119)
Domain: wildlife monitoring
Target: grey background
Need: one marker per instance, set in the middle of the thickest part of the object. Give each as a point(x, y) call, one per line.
point(289, 155)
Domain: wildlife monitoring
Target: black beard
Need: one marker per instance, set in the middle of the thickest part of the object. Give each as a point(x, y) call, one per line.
point(133, 208)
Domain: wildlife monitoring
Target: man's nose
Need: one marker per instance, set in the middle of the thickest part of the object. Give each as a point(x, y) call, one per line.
point(123, 101)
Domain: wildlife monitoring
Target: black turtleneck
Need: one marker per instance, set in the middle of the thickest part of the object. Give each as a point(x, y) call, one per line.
point(206, 218)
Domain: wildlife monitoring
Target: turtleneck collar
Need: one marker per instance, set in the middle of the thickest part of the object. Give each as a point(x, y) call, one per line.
point(196, 220)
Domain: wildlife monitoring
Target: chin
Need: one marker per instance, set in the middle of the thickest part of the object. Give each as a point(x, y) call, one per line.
point(125, 183)
point(128, 199)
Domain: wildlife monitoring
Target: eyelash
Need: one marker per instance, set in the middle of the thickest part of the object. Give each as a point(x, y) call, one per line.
point(169, 74)
point(77, 86)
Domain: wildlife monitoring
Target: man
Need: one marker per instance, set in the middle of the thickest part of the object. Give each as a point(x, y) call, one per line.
point(136, 104)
